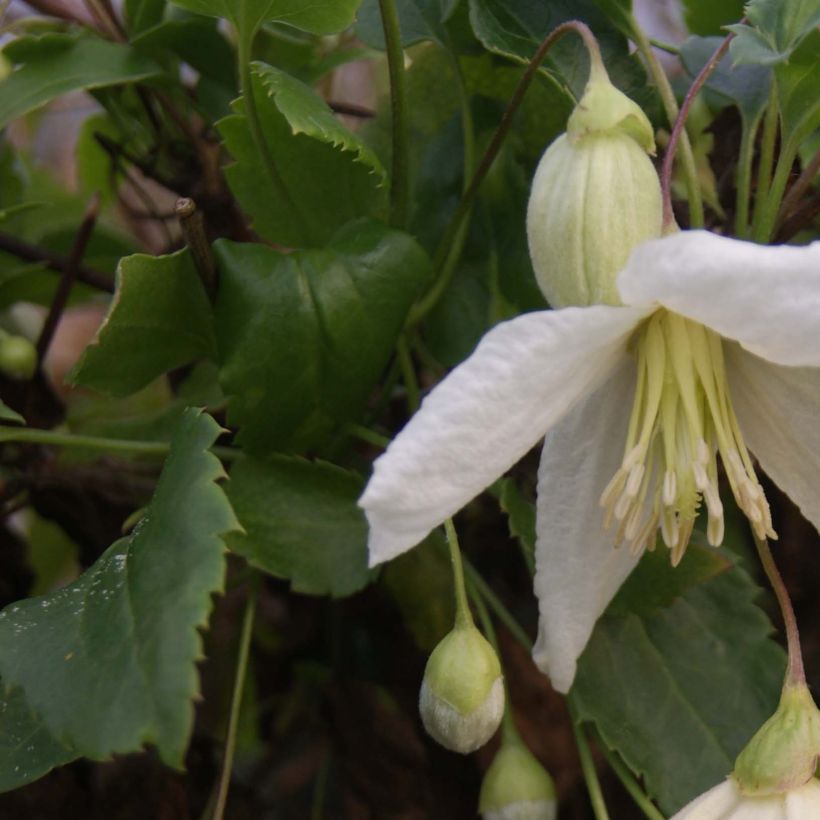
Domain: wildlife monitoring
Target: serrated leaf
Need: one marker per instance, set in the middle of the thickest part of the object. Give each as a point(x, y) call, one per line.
point(27, 749)
point(55, 64)
point(678, 691)
point(301, 523)
point(776, 29)
point(418, 20)
point(318, 175)
point(303, 337)
point(160, 319)
point(109, 662)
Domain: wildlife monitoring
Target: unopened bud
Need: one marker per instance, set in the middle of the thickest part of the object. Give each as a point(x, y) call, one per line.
point(595, 196)
point(517, 787)
point(783, 754)
point(462, 695)
point(18, 357)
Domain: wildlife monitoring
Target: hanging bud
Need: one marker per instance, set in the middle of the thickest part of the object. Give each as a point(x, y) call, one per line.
point(462, 695)
point(784, 752)
point(595, 196)
point(18, 357)
point(517, 787)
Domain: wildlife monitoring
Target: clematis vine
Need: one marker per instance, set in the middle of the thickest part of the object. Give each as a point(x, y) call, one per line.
point(713, 352)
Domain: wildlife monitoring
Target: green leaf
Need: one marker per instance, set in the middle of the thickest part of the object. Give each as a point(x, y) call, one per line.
point(55, 64)
point(109, 662)
point(797, 83)
point(708, 17)
point(323, 175)
point(303, 337)
point(9, 415)
point(160, 319)
point(418, 20)
point(777, 28)
point(27, 749)
point(678, 688)
point(143, 14)
point(520, 516)
point(301, 522)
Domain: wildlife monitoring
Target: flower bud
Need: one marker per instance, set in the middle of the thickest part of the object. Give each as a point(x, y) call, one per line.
point(18, 357)
point(517, 787)
point(595, 196)
point(783, 753)
point(462, 695)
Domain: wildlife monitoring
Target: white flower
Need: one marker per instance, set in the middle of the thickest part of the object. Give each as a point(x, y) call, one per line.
point(701, 314)
point(725, 802)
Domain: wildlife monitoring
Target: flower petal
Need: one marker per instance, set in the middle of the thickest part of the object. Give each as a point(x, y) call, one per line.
point(578, 569)
point(766, 298)
point(714, 804)
point(803, 803)
point(524, 376)
point(778, 409)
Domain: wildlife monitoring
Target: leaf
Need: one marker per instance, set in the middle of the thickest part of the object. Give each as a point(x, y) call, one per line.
point(9, 415)
point(520, 516)
point(678, 691)
point(708, 17)
point(160, 319)
point(418, 20)
point(143, 14)
point(55, 64)
point(303, 337)
point(27, 749)
point(777, 29)
point(301, 523)
point(323, 175)
point(797, 83)
point(109, 662)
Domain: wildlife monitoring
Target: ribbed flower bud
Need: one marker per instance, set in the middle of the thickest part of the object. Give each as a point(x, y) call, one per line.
point(595, 196)
point(18, 357)
point(462, 695)
point(783, 754)
point(517, 787)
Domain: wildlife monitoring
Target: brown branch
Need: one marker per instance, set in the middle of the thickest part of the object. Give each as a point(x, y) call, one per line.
point(192, 223)
point(54, 261)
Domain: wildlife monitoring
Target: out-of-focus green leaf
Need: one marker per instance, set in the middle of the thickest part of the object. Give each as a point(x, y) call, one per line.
point(775, 29)
point(9, 415)
point(55, 64)
point(709, 17)
point(28, 750)
point(520, 516)
point(680, 674)
point(303, 337)
point(418, 20)
point(301, 522)
point(318, 175)
point(141, 15)
point(109, 662)
point(797, 82)
point(160, 319)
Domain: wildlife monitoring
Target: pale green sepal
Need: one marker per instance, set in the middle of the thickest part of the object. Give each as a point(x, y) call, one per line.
point(784, 752)
point(18, 357)
point(517, 787)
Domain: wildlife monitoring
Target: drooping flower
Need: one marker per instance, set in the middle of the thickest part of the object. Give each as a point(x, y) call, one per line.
point(715, 350)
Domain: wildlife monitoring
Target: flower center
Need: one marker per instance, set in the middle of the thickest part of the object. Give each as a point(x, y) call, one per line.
point(682, 418)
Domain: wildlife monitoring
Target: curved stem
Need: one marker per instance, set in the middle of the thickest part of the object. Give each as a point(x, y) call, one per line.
point(463, 616)
point(455, 224)
point(400, 177)
point(596, 796)
point(744, 177)
point(795, 674)
point(677, 129)
point(670, 106)
point(236, 700)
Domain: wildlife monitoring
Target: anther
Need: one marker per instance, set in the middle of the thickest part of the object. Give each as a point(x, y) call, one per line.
point(670, 488)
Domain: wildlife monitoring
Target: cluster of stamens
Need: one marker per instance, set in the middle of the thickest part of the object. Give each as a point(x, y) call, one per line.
point(681, 420)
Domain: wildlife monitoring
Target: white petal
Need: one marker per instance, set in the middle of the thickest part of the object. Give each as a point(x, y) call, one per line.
point(766, 298)
point(778, 409)
point(524, 376)
point(715, 804)
point(804, 803)
point(578, 569)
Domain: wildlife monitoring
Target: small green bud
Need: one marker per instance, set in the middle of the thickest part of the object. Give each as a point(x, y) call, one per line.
point(783, 753)
point(595, 196)
point(18, 357)
point(462, 695)
point(517, 787)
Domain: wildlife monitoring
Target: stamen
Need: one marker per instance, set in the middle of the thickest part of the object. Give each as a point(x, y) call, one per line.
point(670, 488)
point(633, 483)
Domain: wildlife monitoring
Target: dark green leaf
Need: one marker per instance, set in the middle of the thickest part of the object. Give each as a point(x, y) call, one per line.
point(109, 662)
point(520, 514)
point(27, 749)
point(9, 415)
point(708, 17)
point(679, 687)
point(143, 14)
point(418, 20)
point(797, 83)
point(301, 522)
point(55, 64)
point(160, 319)
point(303, 337)
point(318, 174)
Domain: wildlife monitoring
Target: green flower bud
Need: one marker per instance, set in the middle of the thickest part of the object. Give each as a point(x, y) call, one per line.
point(595, 196)
point(784, 752)
point(462, 696)
point(517, 787)
point(18, 357)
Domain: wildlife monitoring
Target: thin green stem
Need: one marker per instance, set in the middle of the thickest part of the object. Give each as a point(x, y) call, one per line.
point(804, 182)
point(368, 435)
point(236, 700)
point(766, 162)
point(400, 178)
point(669, 48)
point(795, 674)
point(628, 780)
point(670, 105)
point(317, 809)
point(408, 372)
point(744, 177)
point(596, 796)
point(771, 208)
point(463, 616)
point(111, 445)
